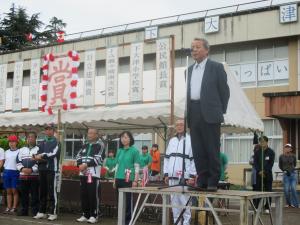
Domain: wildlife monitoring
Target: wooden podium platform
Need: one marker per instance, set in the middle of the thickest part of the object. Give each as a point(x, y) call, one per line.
point(245, 199)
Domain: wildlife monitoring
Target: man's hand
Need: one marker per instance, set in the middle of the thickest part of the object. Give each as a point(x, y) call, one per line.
point(111, 173)
point(261, 173)
point(191, 182)
point(27, 171)
point(38, 157)
point(166, 179)
point(134, 183)
point(82, 167)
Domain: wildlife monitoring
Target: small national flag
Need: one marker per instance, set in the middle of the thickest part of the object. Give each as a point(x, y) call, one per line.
point(145, 176)
point(60, 36)
point(28, 37)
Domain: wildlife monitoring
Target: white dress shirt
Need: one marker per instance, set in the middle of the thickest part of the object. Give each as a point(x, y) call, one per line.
point(196, 79)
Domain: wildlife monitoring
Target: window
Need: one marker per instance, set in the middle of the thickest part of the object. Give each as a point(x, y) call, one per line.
point(274, 132)
point(149, 62)
point(100, 68)
point(10, 80)
point(248, 54)
point(139, 143)
point(217, 55)
point(81, 70)
point(239, 147)
point(265, 53)
point(124, 64)
point(73, 143)
point(265, 64)
point(233, 56)
point(143, 139)
point(273, 65)
point(26, 78)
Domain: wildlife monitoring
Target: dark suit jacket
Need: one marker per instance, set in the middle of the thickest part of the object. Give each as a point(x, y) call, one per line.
point(268, 157)
point(214, 94)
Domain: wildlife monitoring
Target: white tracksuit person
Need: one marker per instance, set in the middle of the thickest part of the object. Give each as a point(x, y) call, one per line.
point(173, 169)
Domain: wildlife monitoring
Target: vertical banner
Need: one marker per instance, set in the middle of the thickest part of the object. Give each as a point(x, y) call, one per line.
point(89, 78)
point(59, 81)
point(162, 69)
point(60, 77)
point(17, 86)
point(3, 78)
point(136, 72)
point(112, 76)
point(34, 84)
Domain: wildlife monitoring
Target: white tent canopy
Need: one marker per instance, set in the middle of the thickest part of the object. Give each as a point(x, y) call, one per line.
point(140, 118)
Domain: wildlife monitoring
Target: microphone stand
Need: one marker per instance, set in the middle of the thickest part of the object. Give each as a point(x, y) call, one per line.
point(182, 179)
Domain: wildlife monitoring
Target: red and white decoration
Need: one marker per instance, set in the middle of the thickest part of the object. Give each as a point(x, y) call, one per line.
point(59, 82)
point(29, 37)
point(74, 81)
point(60, 36)
point(145, 176)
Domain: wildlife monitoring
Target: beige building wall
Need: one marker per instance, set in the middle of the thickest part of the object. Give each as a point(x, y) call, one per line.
point(298, 63)
point(255, 95)
point(243, 28)
point(293, 64)
point(233, 29)
point(235, 173)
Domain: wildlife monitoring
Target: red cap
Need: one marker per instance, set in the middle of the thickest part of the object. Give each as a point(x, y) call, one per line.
point(13, 138)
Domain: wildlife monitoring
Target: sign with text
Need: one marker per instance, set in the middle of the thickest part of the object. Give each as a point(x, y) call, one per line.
point(211, 24)
point(162, 69)
point(112, 62)
point(89, 78)
point(3, 79)
point(136, 72)
point(281, 69)
point(151, 32)
point(248, 72)
point(34, 84)
point(288, 13)
point(265, 71)
point(236, 70)
point(17, 86)
point(60, 76)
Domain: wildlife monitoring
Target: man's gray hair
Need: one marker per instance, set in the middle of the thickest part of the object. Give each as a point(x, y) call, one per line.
point(95, 129)
point(204, 41)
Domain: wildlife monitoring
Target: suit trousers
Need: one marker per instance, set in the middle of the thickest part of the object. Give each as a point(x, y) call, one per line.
point(29, 187)
point(205, 138)
point(48, 191)
point(89, 196)
point(264, 184)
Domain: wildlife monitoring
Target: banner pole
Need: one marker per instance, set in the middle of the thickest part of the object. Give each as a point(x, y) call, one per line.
point(172, 84)
point(62, 155)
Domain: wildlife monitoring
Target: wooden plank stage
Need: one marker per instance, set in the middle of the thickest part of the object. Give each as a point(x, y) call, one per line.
point(245, 199)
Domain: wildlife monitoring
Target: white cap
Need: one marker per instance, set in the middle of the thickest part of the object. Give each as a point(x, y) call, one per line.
point(288, 145)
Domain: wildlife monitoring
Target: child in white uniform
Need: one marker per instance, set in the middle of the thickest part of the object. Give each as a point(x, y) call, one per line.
point(11, 175)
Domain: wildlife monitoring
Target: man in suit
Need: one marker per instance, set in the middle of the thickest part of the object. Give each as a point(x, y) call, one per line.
point(207, 99)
